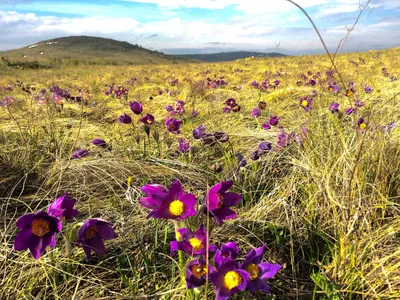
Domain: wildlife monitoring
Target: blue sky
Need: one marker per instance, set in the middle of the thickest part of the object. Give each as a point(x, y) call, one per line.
point(203, 26)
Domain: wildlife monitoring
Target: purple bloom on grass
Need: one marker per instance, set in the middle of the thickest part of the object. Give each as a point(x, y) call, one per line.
point(80, 153)
point(174, 204)
point(361, 124)
point(223, 137)
point(241, 160)
point(136, 107)
point(265, 147)
point(266, 126)
point(173, 125)
point(305, 103)
point(125, 119)
point(256, 112)
point(169, 108)
point(63, 207)
point(100, 143)
point(148, 119)
point(192, 243)
point(367, 89)
point(219, 201)
point(92, 234)
point(38, 230)
point(199, 132)
point(273, 121)
point(183, 146)
point(350, 110)
point(334, 107)
point(229, 280)
point(258, 271)
point(228, 251)
point(196, 273)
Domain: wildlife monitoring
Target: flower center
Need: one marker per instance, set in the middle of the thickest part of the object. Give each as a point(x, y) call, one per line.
point(253, 271)
point(148, 121)
point(304, 103)
point(172, 126)
point(178, 236)
point(221, 200)
point(199, 270)
point(363, 126)
point(232, 279)
point(176, 208)
point(40, 227)
point(196, 244)
point(91, 232)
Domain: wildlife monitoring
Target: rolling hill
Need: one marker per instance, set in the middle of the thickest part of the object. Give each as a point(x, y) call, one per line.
point(75, 50)
point(228, 56)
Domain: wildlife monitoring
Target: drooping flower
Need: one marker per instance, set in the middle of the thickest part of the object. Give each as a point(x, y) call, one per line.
point(125, 119)
point(175, 205)
point(255, 155)
point(136, 107)
point(219, 201)
point(148, 119)
point(228, 251)
point(256, 112)
point(100, 143)
point(196, 273)
point(38, 230)
point(361, 124)
point(266, 126)
point(223, 137)
point(92, 234)
point(63, 207)
point(358, 103)
point(209, 139)
point(169, 108)
point(334, 107)
point(350, 110)
point(229, 280)
point(265, 147)
point(199, 132)
point(184, 146)
point(241, 160)
point(173, 125)
point(79, 153)
point(258, 271)
point(192, 243)
point(367, 89)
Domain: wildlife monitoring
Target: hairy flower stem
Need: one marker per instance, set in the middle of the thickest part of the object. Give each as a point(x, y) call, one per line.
point(180, 253)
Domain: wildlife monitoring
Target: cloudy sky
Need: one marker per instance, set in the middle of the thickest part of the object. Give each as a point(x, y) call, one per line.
point(203, 26)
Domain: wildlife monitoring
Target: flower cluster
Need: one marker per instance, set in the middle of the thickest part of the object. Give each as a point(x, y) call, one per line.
point(231, 105)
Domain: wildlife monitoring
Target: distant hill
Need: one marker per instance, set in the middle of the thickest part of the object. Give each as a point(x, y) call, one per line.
point(77, 50)
point(228, 56)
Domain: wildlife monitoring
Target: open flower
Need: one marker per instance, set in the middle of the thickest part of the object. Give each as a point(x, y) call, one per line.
point(305, 103)
point(192, 243)
point(361, 124)
point(219, 200)
point(258, 271)
point(38, 230)
point(63, 207)
point(334, 107)
point(92, 234)
point(175, 205)
point(136, 107)
point(199, 132)
point(148, 119)
point(228, 280)
point(184, 146)
point(229, 250)
point(196, 273)
point(173, 125)
point(256, 112)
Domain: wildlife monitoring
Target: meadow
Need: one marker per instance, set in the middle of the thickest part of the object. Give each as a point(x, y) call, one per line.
point(312, 151)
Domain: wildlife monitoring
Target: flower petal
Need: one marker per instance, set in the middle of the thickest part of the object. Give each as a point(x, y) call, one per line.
point(23, 239)
point(269, 270)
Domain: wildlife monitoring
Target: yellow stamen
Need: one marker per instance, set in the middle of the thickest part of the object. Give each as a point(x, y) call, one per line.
point(253, 270)
point(363, 126)
point(304, 103)
point(196, 244)
point(176, 208)
point(178, 236)
point(91, 232)
point(221, 200)
point(199, 270)
point(232, 279)
point(40, 227)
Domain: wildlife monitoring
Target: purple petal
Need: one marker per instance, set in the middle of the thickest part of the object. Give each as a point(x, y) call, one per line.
point(268, 270)
point(25, 220)
point(96, 244)
point(258, 285)
point(223, 213)
point(105, 231)
point(212, 197)
point(231, 199)
point(23, 239)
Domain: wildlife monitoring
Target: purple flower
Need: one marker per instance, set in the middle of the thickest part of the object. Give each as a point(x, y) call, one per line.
point(283, 139)
point(183, 146)
point(305, 103)
point(262, 105)
point(273, 121)
point(192, 243)
point(229, 280)
point(241, 160)
point(256, 112)
point(173, 125)
point(367, 89)
point(276, 82)
point(169, 108)
point(349, 111)
point(223, 137)
point(219, 200)
point(359, 103)
point(265, 147)
point(230, 102)
point(334, 88)
point(125, 119)
point(148, 119)
point(266, 126)
point(38, 230)
point(175, 205)
point(258, 271)
point(255, 155)
point(334, 107)
point(228, 251)
point(235, 107)
point(226, 109)
point(209, 139)
point(160, 92)
point(361, 124)
point(196, 273)
point(136, 107)
point(255, 84)
point(80, 153)
point(92, 234)
point(199, 132)
point(63, 207)
point(100, 143)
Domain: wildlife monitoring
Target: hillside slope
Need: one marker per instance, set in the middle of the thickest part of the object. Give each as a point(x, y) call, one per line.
point(228, 56)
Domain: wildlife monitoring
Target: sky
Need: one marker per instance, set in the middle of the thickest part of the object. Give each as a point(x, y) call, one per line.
point(204, 26)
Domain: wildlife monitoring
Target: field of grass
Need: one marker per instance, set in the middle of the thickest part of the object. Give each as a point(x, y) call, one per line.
point(325, 201)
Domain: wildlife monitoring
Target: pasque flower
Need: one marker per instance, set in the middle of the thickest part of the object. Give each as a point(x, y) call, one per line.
point(229, 250)
point(100, 143)
point(148, 119)
point(184, 146)
point(199, 132)
point(125, 119)
point(38, 230)
point(173, 125)
point(63, 207)
point(334, 107)
point(79, 153)
point(136, 107)
point(219, 201)
point(174, 204)
point(258, 271)
point(196, 273)
point(256, 112)
point(92, 234)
